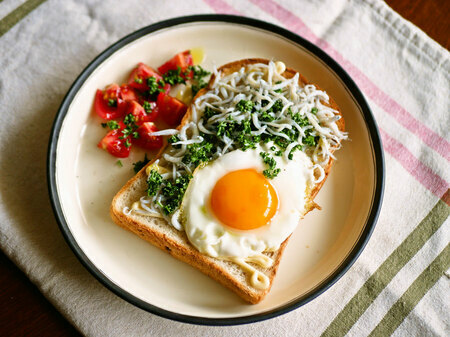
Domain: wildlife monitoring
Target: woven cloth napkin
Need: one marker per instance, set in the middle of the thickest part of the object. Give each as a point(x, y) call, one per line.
point(400, 283)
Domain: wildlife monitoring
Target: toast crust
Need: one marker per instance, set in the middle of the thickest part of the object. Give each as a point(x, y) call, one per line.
point(159, 233)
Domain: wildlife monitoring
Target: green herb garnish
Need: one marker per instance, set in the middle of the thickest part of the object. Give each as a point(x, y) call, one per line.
point(244, 106)
point(154, 181)
point(172, 190)
point(113, 125)
point(309, 140)
point(173, 139)
point(147, 107)
point(279, 91)
point(140, 164)
point(174, 77)
point(130, 129)
point(208, 113)
point(112, 102)
point(291, 154)
point(198, 153)
point(198, 74)
point(272, 171)
point(154, 86)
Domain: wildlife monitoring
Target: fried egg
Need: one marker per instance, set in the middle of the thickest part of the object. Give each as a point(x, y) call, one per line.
point(230, 209)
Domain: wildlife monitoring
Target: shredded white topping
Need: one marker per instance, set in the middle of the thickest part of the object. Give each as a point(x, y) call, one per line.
point(265, 86)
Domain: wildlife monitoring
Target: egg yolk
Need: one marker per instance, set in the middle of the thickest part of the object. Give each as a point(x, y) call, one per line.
point(244, 200)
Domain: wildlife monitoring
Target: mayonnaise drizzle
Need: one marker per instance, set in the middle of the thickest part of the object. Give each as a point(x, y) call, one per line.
point(257, 279)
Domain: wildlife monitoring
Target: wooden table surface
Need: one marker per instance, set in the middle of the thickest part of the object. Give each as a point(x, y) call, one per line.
point(26, 312)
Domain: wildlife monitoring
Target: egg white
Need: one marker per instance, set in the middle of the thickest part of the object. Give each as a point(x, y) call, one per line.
point(211, 237)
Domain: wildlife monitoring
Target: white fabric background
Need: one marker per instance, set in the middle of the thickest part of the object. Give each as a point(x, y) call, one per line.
point(42, 55)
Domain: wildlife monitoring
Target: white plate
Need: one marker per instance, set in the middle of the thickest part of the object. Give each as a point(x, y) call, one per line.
point(83, 179)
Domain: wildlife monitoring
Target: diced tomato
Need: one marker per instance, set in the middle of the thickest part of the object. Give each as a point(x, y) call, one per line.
point(140, 113)
point(114, 145)
point(182, 60)
point(140, 74)
point(127, 93)
point(145, 140)
point(108, 103)
point(171, 109)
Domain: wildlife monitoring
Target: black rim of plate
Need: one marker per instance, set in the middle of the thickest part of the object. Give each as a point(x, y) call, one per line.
point(295, 303)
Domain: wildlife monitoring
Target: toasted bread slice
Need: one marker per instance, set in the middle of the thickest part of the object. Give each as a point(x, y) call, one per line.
point(161, 234)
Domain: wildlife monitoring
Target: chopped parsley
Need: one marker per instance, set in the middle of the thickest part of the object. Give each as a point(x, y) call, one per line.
point(291, 154)
point(172, 190)
point(112, 102)
point(147, 107)
point(272, 171)
point(140, 164)
point(198, 153)
point(279, 91)
point(276, 107)
point(266, 116)
point(154, 182)
point(174, 77)
point(208, 113)
point(197, 74)
point(244, 106)
point(130, 129)
point(138, 80)
point(173, 139)
point(113, 125)
point(154, 87)
point(310, 140)
point(119, 163)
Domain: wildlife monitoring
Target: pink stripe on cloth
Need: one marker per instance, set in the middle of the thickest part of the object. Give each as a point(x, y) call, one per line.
point(433, 182)
point(221, 7)
point(383, 100)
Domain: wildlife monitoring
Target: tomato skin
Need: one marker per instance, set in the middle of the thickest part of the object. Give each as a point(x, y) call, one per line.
point(114, 145)
point(127, 93)
point(182, 60)
point(102, 106)
point(141, 73)
point(167, 88)
point(171, 109)
point(146, 141)
point(139, 112)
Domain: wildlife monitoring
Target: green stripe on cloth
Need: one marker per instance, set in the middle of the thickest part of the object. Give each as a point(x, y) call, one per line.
point(18, 14)
point(353, 310)
point(413, 295)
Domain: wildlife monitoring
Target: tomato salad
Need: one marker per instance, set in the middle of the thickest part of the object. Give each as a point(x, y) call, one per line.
point(131, 110)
